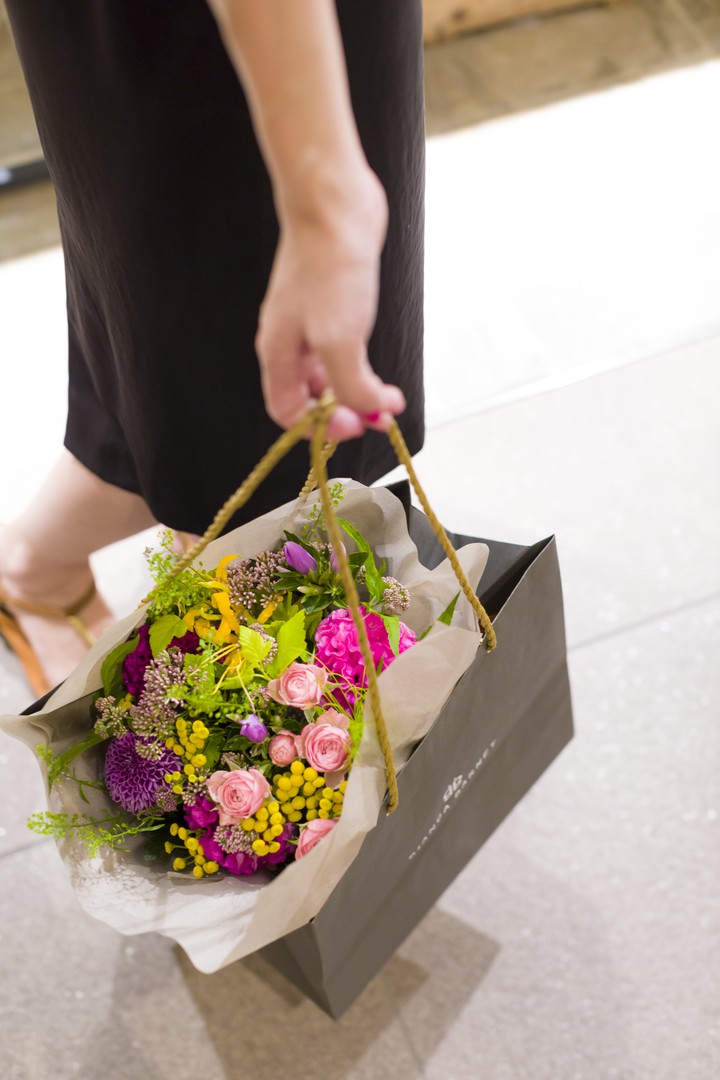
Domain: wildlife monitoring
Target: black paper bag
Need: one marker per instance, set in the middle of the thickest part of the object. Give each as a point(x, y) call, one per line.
point(507, 719)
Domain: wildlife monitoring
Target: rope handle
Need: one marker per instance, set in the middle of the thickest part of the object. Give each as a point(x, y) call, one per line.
point(316, 422)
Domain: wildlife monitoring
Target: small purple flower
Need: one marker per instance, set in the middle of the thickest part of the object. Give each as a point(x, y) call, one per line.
point(334, 564)
point(253, 728)
point(298, 558)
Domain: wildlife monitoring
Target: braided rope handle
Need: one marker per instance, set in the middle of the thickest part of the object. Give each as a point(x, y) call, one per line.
point(316, 422)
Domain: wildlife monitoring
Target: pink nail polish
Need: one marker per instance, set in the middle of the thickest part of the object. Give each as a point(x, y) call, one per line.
point(371, 417)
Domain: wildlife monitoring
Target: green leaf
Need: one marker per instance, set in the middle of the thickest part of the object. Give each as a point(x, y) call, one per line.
point(373, 581)
point(254, 646)
point(447, 614)
point(61, 762)
point(111, 670)
point(163, 630)
point(392, 625)
point(288, 579)
point(236, 743)
point(291, 644)
point(360, 541)
point(213, 748)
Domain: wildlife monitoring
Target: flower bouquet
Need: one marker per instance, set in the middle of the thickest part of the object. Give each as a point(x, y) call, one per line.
point(230, 718)
point(217, 760)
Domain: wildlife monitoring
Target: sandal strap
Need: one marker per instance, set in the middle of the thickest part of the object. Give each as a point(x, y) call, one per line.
point(48, 611)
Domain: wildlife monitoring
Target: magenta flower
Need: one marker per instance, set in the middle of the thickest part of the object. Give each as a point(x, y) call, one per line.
point(134, 665)
point(298, 558)
point(204, 815)
point(132, 781)
point(338, 648)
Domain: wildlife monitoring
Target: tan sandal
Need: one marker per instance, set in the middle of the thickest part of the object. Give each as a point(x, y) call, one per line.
point(17, 642)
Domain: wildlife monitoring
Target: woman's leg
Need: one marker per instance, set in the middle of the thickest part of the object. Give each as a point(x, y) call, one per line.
point(44, 555)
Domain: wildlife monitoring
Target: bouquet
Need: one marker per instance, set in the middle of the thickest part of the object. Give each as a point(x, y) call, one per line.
point(230, 718)
point(231, 728)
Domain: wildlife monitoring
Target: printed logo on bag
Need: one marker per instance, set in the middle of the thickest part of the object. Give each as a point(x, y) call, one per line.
point(452, 793)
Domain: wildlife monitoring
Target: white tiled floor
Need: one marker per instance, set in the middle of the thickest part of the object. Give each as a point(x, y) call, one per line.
point(583, 941)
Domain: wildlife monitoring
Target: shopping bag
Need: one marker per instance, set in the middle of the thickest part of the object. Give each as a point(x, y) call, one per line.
point(507, 719)
point(222, 919)
point(465, 728)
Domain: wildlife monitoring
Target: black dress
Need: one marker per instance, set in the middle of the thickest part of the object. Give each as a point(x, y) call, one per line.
point(169, 233)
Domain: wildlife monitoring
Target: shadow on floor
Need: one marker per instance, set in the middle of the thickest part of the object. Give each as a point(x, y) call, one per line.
point(219, 998)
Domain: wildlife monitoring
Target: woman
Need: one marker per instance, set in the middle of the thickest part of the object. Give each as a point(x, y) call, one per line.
point(228, 177)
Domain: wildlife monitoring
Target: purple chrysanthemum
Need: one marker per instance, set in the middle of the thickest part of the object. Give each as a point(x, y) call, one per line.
point(133, 781)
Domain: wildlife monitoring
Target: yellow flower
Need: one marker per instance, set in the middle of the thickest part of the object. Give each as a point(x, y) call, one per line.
point(221, 568)
point(267, 612)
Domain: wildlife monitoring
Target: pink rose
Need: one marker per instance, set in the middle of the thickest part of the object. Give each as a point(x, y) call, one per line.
point(240, 793)
point(300, 685)
point(332, 716)
point(311, 834)
point(326, 748)
point(283, 748)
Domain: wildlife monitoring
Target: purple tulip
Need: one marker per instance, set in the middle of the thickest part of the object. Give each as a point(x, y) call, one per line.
point(253, 728)
point(298, 558)
point(334, 564)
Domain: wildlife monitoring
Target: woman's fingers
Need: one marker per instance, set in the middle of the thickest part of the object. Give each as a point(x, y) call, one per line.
point(353, 380)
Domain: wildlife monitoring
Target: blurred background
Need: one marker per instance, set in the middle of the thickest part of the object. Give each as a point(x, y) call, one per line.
point(573, 380)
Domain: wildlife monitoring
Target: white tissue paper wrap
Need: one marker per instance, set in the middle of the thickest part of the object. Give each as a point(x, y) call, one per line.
point(222, 918)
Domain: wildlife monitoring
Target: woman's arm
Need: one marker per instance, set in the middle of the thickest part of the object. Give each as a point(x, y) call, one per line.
point(321, 302)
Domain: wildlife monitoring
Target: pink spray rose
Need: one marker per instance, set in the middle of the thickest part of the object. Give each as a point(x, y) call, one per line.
point(300, 686)
point(283, 748)
point(326, 746)
point(311, 834)
point(239, 793)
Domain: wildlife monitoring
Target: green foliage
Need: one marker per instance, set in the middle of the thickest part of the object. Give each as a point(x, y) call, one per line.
point(202, 676)
point(58, 763)
point(291, 644)
point(445, 617)
point(315, 526)
point(449, 611)
point(163, 630)
point(357, 726)
point(173, 595)
point(111, 831)
point(213, 749)
point(373, 580)
point(254, 646)
point(392, 625)
point(111, 670)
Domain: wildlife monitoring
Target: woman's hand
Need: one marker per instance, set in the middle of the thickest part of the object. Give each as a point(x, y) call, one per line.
point(321, 305)
point(321, 302)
